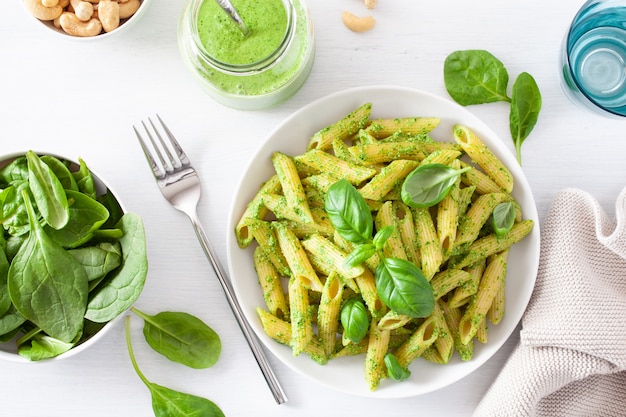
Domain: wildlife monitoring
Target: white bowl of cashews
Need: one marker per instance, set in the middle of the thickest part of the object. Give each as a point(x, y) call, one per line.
point(86, 19)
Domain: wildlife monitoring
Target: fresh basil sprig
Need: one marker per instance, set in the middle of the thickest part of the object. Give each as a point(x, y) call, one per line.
point(428, 184)
point(400, 284)
point(478, 77)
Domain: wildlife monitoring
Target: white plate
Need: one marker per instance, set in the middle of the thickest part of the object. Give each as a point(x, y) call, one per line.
point(291, 137)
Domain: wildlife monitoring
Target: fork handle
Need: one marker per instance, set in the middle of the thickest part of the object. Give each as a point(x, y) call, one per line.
point(253, 342)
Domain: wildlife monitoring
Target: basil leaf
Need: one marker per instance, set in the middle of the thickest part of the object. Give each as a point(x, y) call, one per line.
point(46, 284)
point(348, 212)
point(525, 107)
point(48, 192)
point(394, 369)
point(120, 290)
point(169, 403)
point(403, 288)
point(359, 255)
point(475, 77)
point(503, 218)
point(181, 338)
point(428, 184)
point(354, 320)
point(382, 236)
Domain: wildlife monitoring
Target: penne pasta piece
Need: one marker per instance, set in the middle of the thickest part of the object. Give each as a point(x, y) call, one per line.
point(377, 347)
point(482, 155)
point(280, 331)
point(386, 179)
point(490, 283)
point(394, 247)
point(270, 284)
point(465, 291)
point(342, 129)
point(406, 227)
point(367, 289)
point(342, 151)
point(381, 128)
point(477, 215)
point(300, 315)
point(338, 168)
point(496, 311)
point(255, 210)
point(292, 187)
point(328, 313)
point(490, 244)
point(448, 217)
point(440, 156)
point(296, 257)
point(444, 344)
point(479, 180)
point(329, 258)
point(392, 320)
point(385, 152)
point(453, 317)
point(430, 250)
point(420, 340)
point(265, 236)
point(447, 280)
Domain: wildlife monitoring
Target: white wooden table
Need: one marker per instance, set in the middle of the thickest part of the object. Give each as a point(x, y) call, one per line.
point(81, 99)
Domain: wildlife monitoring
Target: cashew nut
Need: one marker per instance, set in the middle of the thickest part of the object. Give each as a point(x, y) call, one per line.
point(127, 9)
point(109, 14)
point(49, 3)
point(41, 12)
point(370, 4)
point(82, 9)
point(357, 24)
point(75, 27)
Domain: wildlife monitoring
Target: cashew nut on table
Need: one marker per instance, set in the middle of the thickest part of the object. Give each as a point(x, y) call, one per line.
point(83, 17)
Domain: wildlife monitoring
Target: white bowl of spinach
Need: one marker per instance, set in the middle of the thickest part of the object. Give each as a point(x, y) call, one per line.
point(71, 259)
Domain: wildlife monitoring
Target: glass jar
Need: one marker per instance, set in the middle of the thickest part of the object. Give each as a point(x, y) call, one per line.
point(254, 72)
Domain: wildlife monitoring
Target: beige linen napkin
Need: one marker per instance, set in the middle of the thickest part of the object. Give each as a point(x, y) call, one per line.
point(571, 359)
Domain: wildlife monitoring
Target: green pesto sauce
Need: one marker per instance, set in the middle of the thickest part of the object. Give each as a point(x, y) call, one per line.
point(266, 19)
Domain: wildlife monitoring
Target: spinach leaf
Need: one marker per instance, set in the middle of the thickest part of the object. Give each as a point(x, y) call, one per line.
point(403, 288)
point(394, 369)
point(13, 215)
point(354, 320)
point(41, 346)
point(98, 260)
point(349, 212)
point(46, 284)
point(48, 192)
point(84, 179)
point(109, 201)
point(181, 338)
point(503, 218)
point(475, 77)
point(167, 402)
point(428, 184)
point(61, 171)
point(525, 107)
point(5, 300)
point(119, 291)
point(16, 171)
point(10, 321)
point(86, 216)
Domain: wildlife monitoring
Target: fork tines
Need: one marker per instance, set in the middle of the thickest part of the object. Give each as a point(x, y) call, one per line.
point(169, 153)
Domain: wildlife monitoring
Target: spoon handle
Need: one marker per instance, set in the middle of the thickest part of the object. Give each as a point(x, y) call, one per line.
point(228, 7)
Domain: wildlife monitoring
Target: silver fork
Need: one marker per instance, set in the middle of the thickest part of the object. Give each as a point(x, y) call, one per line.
point(180, 185)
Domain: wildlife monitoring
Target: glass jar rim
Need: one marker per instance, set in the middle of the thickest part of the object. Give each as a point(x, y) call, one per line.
point(242, 69)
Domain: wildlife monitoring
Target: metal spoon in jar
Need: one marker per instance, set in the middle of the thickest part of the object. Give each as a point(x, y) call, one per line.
point(228, 7)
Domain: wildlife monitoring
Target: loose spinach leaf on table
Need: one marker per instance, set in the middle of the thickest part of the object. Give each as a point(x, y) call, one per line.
point(46, 284)
point(525, 107)
point(475, 77)
point(170, 403)
point(182, 338)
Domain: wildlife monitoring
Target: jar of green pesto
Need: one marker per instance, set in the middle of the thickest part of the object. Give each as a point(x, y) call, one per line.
point(248, 72)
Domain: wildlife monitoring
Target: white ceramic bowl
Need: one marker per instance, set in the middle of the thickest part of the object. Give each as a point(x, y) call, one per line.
point(125, 24)
point(291, 137)
point(8, 350)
